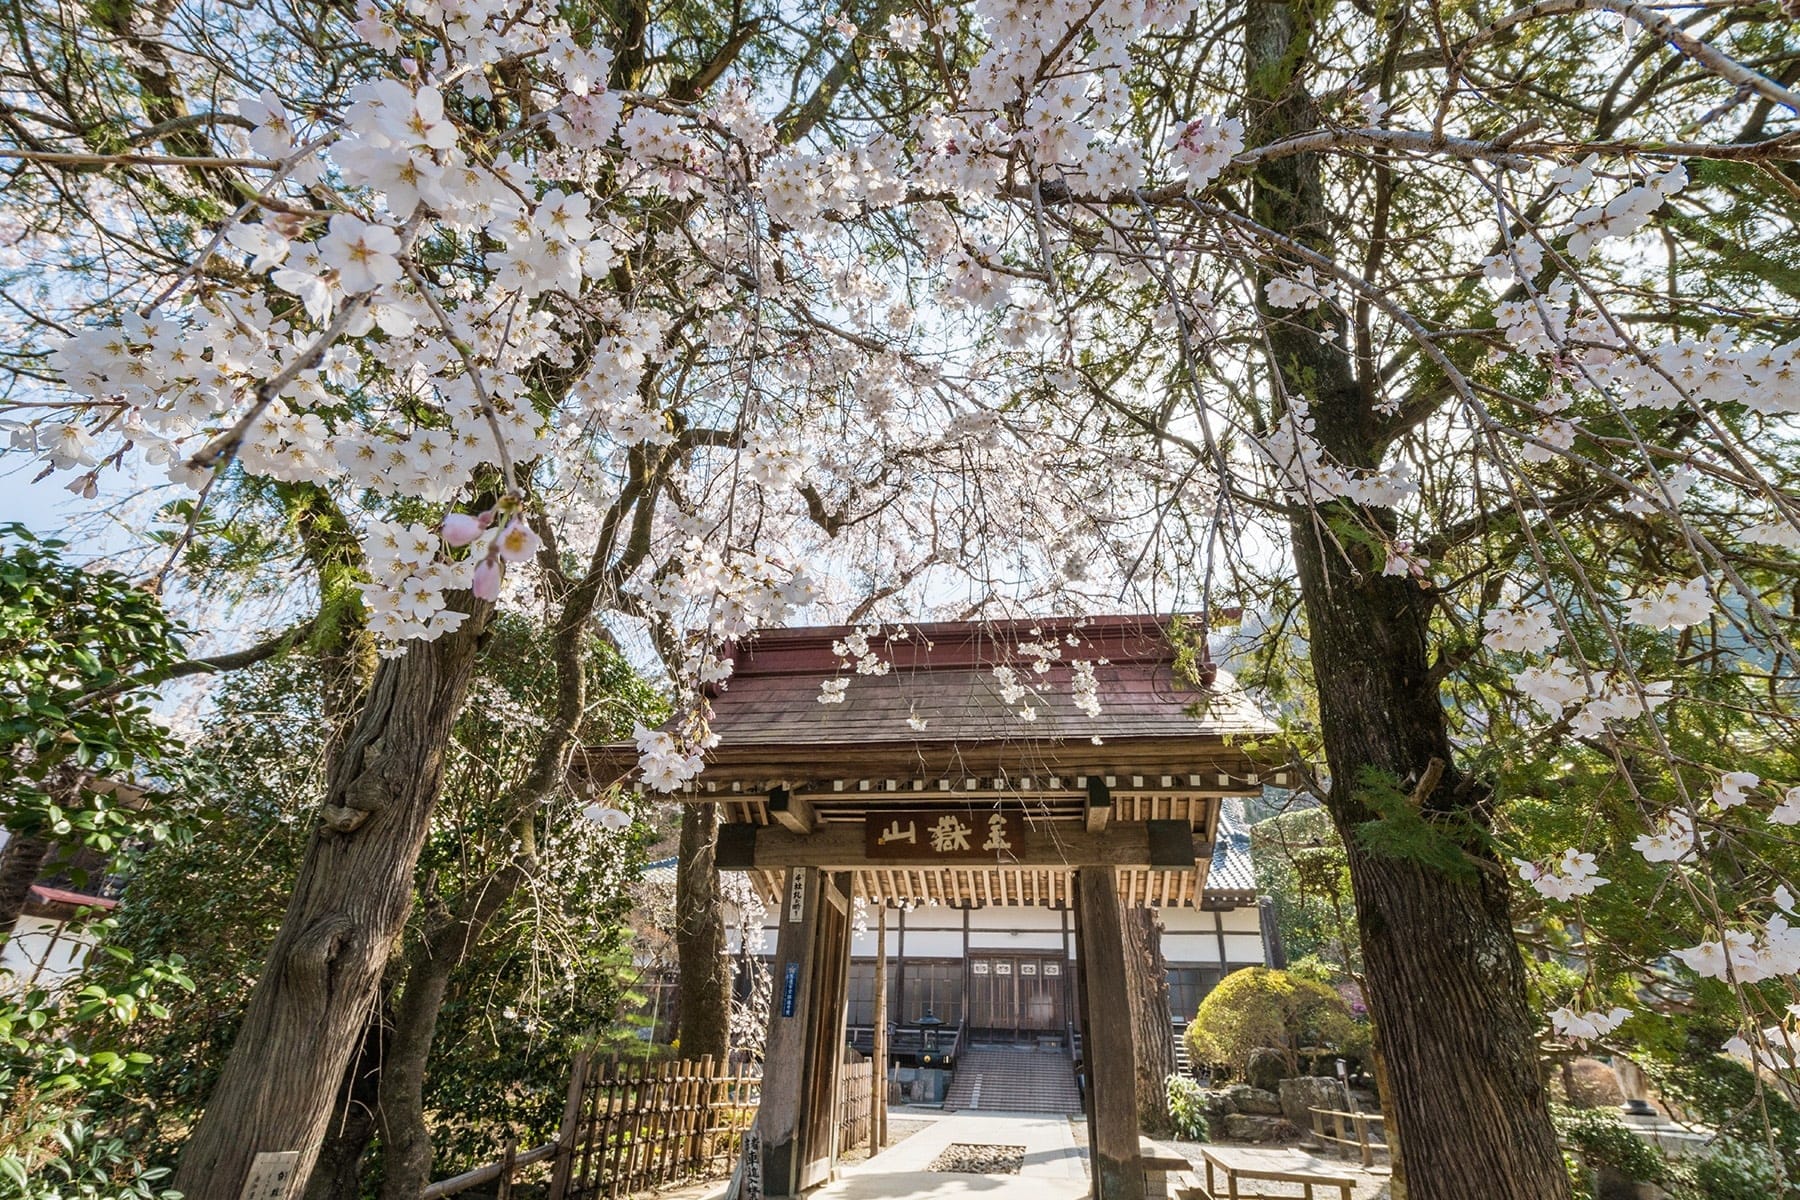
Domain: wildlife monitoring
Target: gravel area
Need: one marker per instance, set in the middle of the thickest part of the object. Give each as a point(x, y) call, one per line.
point(899, 1129)
point(980, 1160)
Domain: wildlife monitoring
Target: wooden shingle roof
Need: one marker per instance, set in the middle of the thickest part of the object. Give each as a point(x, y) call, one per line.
point(936, 708)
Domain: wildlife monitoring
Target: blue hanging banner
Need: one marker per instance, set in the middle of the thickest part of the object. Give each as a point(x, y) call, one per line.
point(790, 988)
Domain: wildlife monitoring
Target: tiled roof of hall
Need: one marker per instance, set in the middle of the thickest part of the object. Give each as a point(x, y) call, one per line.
point(1233, 869)
point(935, 706)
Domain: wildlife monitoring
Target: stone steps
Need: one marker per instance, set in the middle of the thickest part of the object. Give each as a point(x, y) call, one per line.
point(1014, 1079)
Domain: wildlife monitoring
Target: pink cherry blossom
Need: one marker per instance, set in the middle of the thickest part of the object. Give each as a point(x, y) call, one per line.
point(461, 528)
point(485, 583)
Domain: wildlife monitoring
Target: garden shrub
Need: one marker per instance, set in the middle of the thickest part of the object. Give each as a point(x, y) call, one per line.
point(1187, 1108)
point(1603, 1140)
point(1262, 1007)
point(1730, 1169)
point(1720, 1092)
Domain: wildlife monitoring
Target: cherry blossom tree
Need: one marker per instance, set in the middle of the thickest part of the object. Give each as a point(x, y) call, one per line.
point(1462, 335)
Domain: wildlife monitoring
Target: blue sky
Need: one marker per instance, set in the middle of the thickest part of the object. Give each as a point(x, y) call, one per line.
point(95, 528)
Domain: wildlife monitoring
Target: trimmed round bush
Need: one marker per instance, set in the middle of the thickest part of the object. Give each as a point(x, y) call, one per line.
point(1261, 1007)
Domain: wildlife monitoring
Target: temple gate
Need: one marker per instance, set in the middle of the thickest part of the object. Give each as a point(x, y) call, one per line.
point(1058, 763)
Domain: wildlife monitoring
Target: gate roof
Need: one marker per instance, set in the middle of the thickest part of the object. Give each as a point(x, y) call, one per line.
point(967, 716)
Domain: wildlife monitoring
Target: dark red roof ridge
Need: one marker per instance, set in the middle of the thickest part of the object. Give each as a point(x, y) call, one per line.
point(43, 894)
point(942, 645)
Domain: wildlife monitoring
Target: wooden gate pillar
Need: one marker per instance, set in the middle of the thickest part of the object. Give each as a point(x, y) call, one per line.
point(796, 1121)
point(1106, 1043)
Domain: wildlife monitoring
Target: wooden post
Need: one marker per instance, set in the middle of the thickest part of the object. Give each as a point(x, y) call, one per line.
point(505, 1190)
point(1106, 1041)
point(566, 1133)
point(797, 1119)
point(780, 1114)
point(878, 1055)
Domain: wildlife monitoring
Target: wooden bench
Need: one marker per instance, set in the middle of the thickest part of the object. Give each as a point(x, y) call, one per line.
point(1158, 1165)
point(1240, 1163)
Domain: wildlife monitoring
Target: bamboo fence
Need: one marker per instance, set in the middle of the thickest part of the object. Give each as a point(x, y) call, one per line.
point(632, 1126)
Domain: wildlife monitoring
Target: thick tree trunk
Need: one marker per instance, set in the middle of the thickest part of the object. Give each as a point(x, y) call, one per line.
point(705, 972)
point(1445, 980)
point(447, 940)
point(337, 1174)
point(1152, 1023)
point(323, 973)
point(21, 862)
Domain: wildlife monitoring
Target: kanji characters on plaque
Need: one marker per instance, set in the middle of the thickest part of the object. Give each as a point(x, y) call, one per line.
point(939, 836)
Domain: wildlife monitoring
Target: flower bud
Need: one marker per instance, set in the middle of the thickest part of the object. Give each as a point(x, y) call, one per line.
point(460, 529)
point(486, 581)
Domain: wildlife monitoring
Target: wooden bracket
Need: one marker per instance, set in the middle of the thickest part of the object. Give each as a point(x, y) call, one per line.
point(791, 812)
point(1099, 807)
point(1171, 843)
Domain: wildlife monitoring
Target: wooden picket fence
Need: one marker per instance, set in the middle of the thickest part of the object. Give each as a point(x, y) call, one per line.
point(632, 1126)
point(855, 1121)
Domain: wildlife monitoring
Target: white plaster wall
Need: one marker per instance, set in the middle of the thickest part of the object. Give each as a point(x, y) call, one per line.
point(1199, 949)
point(938, 917)
point(933, 943)
point(1243, 920)
point(1243, 948)
point(991, 919)
point(1181, 920)
point(1015, 939)
point(38, 948)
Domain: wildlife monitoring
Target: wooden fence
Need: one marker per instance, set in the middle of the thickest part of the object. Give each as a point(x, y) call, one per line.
point(1356, 1137)
point(855, 1095)
point(631, 1126)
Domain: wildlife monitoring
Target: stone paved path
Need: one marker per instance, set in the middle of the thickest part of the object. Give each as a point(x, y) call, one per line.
point(1055, 1167)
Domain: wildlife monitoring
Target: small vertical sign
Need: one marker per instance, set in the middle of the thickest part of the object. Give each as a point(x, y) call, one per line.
point(790, 988)
point(797, 897)
point(753, 1183)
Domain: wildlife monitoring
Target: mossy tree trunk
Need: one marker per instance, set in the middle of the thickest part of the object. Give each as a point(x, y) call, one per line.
point(1446, 983)
point(704, 969)
point(322, 977)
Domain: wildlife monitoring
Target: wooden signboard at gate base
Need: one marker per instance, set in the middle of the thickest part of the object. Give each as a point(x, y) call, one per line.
point(993, 836)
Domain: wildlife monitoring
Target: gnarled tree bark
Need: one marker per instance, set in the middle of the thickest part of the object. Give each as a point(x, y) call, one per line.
point(1152, 1022)
point(337, 1173)
point(704, 969)
point(323, 973)
point(447, 940)
point(1445, 980)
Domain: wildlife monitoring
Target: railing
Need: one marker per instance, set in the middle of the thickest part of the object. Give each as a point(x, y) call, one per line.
point(1360, 1123)
point(629, 1126)
point(906, 1041)
point(856, 1119)
point(509, 1163)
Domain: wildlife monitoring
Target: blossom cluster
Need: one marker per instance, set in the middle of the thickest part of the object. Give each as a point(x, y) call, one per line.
point(1575, 874)
point(1587, 1026)
point(1308, 473)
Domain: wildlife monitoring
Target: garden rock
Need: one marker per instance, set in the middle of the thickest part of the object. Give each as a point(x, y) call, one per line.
point(1254, 1101)
point(1266, 1069)
point(1308, 1092)
point(1244, 1127)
